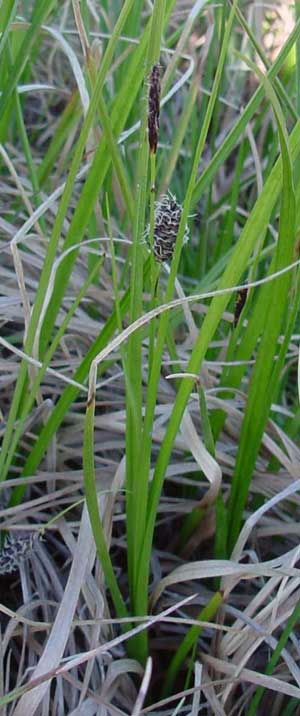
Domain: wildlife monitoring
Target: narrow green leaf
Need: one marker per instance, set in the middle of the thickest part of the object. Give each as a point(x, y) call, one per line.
point(237, 130)
point(187, 644)
point(41, 10)
point(260, 394)
point(92, 505)
point(291, 623)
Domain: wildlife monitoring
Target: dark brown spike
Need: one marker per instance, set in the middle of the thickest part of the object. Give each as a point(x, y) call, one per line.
point(153, 108)
point(239, 304)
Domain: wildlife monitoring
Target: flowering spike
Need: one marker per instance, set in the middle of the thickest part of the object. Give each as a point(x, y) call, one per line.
point(16, 550)
point(153, 108)
point(167, 216)
point(239, 304)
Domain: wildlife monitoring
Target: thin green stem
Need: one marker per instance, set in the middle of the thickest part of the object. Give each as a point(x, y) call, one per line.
point(291, 623)
point(189, 642)
point(163, 457)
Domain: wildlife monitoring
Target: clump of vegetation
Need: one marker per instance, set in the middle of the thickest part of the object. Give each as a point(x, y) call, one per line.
point(149, 389)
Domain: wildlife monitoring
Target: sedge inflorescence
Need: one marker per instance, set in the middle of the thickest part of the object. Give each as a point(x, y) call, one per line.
point(154, 107)
point(239, 304)
point(16, 549)
point(167, 216)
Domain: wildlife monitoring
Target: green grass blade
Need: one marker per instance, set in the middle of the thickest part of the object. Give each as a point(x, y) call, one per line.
point(89, 193)
point(136, 480)
point(120, 112)
point(277, 84)
point(207, 614)
point(93, 510)
point(260, 396)
point(71, 392)
point(157, 482)
point(179, 135)
point(41, 11)
point(117, 161)
point(7, 14)
point(70, 117)
point(291, 623)
point(237, 131)
point(192, 520)
point(29, 402)
point(256, 224)
point(76, 232)
point(101, 161)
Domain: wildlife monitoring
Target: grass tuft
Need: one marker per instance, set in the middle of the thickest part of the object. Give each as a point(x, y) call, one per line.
point(149, 229)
